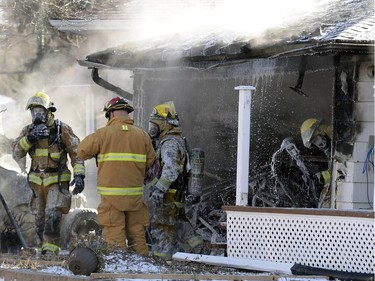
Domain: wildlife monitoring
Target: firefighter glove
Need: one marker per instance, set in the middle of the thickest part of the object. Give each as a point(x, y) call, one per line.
point(38, 132)
point(157, 196)
point(79, 184)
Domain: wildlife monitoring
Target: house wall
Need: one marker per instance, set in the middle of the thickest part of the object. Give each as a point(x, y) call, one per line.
point(336, 89)
point(356, 189)
point(207, 105)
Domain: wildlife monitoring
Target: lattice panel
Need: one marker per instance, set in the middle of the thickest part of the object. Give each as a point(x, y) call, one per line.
point(330, 242)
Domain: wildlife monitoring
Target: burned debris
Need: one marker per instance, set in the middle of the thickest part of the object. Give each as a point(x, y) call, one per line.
point(209, 219)
point(289, 180)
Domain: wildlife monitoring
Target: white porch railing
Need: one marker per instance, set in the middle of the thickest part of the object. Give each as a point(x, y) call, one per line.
point(329, 239)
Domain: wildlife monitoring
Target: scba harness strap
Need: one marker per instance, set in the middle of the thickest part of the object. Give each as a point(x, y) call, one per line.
point(183, 147)
point(54, 139)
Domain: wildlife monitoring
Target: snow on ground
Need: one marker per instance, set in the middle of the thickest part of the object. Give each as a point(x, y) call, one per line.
point(129, 263)
point(58, 270)
point(133, 263)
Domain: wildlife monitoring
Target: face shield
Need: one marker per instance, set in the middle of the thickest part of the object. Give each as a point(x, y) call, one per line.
point(38, 115)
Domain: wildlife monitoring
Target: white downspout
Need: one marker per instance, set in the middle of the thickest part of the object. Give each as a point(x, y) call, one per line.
point(90, 114)
point(243, 145)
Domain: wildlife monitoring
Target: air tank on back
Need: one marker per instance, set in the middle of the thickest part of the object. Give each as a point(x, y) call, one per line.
point(195, 185)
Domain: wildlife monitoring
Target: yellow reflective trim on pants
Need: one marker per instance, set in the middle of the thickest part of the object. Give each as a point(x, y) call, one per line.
point(179, 204)
point(24, 143)
point(172, 191)
point(79, 169)
point(49, 180)
point(195, 241)
point(131, 157)
point(103, 190)
point(51, 247)
point(326, 176)
point(181, 168)
point(191, 243)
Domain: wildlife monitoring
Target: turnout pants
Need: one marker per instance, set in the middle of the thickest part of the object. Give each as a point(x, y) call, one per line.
point(124, 220)
point(171, 231)
point(50, 203)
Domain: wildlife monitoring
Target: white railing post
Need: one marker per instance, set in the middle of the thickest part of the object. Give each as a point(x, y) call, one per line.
point(243, 145)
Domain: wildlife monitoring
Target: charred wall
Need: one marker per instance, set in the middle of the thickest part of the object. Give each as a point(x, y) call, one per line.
point(207, 104)
point(344, 123)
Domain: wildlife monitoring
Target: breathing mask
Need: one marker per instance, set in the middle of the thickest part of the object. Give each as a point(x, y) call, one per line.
point(153, 130)
point(321, 142)
point(38, 115)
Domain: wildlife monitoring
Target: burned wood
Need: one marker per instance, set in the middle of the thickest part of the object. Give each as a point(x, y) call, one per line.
point(287, 181)
point(207, 216)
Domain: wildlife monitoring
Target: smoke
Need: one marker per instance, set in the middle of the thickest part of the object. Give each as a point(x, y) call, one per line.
point(226, 19)
point(69, 84)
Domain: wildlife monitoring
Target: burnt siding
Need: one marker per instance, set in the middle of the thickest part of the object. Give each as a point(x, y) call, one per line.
point(344, 105)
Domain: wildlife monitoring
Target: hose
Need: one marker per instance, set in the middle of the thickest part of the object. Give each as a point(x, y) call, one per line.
point(13, 221)
point(365, 170)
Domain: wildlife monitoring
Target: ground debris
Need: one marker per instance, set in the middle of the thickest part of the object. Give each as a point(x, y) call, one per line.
point(118, 261)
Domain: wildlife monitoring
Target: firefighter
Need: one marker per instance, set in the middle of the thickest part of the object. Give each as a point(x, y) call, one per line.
point(315, 132)
point(48, 142)
point(123, 152)
point(170, 230)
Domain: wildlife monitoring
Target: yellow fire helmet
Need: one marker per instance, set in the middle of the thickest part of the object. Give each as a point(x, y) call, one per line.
point(40, 99)
point(164, 110)
point(165, 116)
point(308, 129)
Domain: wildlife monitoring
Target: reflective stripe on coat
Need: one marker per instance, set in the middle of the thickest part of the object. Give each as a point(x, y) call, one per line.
point(50, 154)
point(123, 152)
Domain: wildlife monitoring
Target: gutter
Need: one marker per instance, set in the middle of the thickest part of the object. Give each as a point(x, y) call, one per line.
point(91, 64)
point(108, 86)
